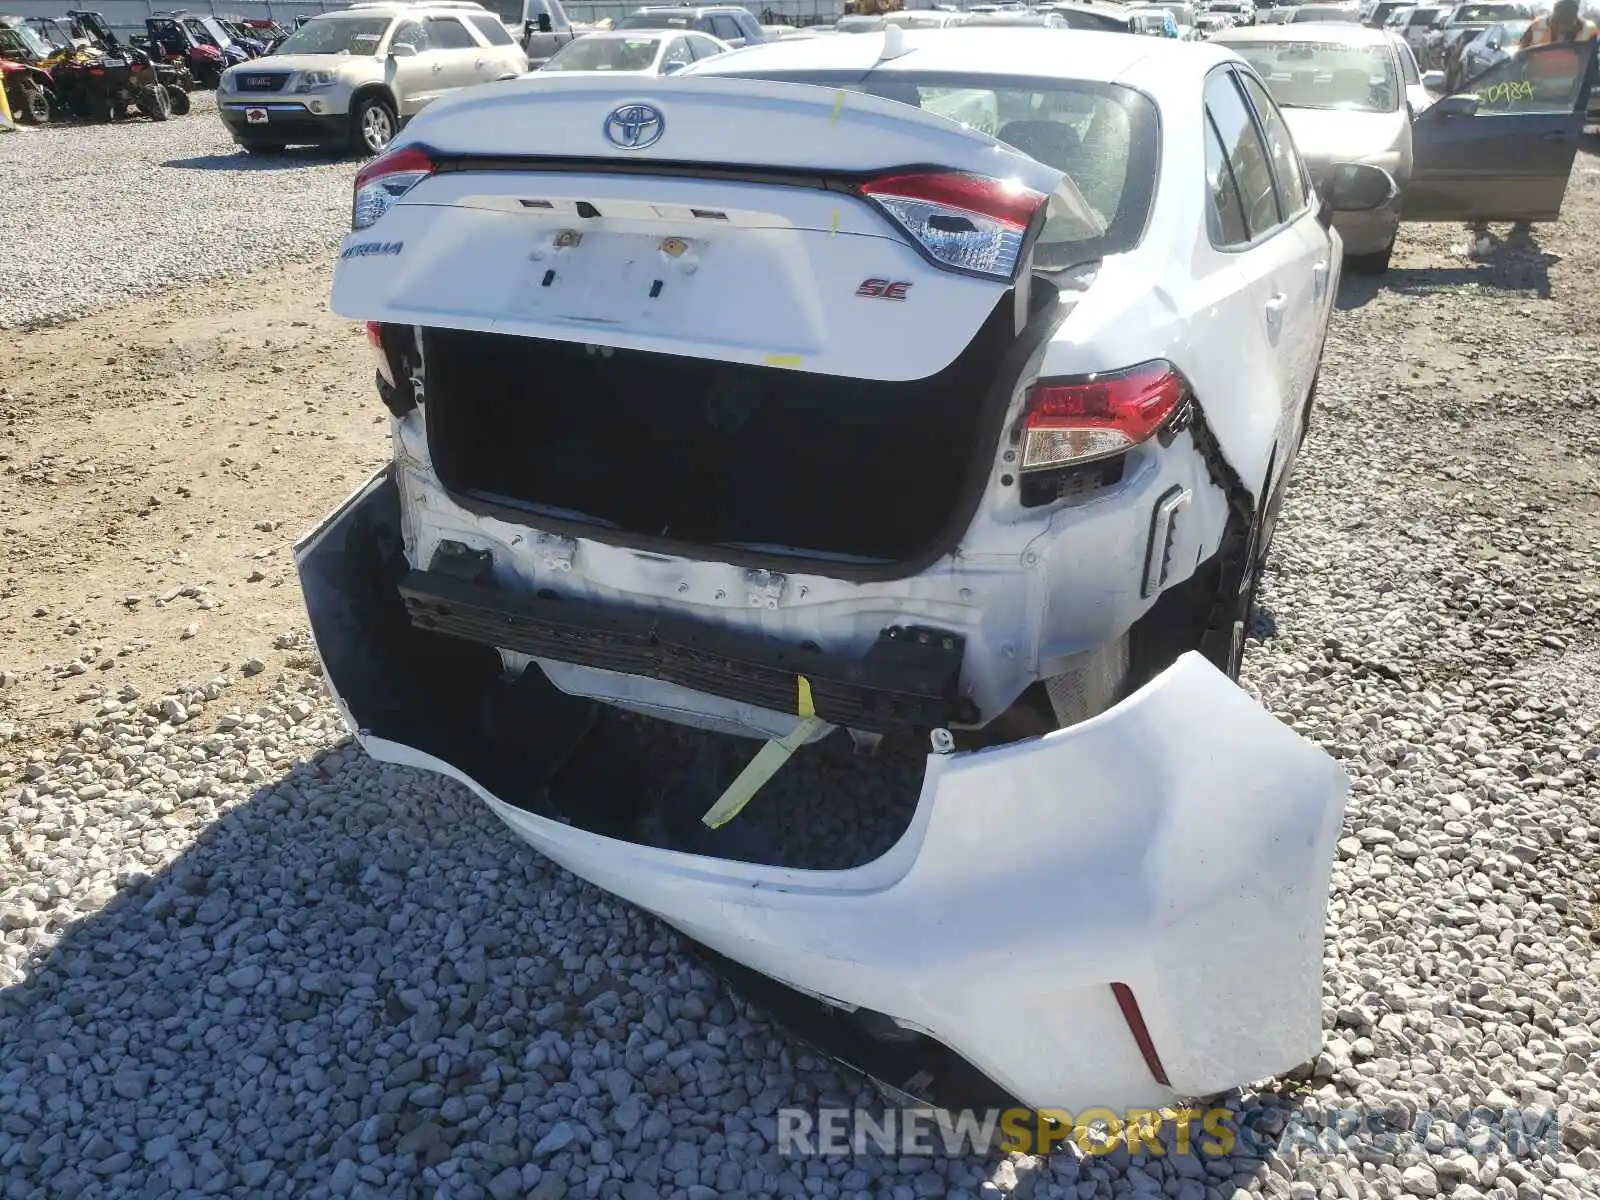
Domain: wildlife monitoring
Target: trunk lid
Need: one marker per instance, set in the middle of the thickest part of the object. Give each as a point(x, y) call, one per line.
point(731, 232)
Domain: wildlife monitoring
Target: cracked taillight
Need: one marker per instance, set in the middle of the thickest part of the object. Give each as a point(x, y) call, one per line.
point(963, 222)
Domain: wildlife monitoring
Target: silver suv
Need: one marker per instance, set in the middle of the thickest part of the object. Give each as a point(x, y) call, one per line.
point(353, 77)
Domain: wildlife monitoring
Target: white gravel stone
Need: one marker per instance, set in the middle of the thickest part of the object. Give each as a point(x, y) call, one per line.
point(156, 204)
point(239, 957)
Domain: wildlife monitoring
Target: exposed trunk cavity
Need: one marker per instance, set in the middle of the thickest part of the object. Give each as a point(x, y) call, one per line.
point(712, 453)
point(611, 772)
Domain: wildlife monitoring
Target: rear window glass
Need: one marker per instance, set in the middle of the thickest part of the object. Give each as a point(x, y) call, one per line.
point(1478, 14)
point(605, 54)
point(1102, 137)
point(654, 20)
point(492, 29)
point(1316, 74)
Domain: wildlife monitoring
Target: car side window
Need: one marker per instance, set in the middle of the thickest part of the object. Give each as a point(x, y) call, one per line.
point(493, 31)
point(1408, 64)
point(725, 27)
point(1292, 189)
point(411, 34)
point(677, 54)
point(447, 33)
point(702, 46)
point(1247, 156)
point(1224, 212)
point(558, 16)
point(1543, 79)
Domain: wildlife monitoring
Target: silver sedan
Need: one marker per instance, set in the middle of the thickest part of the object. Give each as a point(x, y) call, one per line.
point(1343, 91)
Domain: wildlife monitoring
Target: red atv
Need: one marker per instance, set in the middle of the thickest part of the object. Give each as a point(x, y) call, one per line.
point(30, 93)
point(172, 41)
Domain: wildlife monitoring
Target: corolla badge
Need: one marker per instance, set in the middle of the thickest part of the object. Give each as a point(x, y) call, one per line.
point(635, 126)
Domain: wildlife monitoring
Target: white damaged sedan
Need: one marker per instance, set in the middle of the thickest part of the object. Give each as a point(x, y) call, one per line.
point(888, 425)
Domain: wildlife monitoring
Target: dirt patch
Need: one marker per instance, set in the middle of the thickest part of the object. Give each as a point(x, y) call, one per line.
point(159, 459)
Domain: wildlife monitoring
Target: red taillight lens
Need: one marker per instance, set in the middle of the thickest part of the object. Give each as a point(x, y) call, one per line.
point(1074, 422)
point(375, 340)
point(968, 223)
point(384, 180)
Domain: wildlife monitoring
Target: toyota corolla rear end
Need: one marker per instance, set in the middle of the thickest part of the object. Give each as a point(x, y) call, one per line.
point(718, 422)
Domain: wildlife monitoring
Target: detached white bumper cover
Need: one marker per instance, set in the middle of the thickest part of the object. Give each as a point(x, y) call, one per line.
point(1179, 845)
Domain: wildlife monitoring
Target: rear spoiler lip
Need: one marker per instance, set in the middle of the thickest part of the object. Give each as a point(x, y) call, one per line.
point(846, 183)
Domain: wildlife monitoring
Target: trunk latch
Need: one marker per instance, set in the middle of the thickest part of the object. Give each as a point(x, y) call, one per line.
point(554, 551)
point(765, 588)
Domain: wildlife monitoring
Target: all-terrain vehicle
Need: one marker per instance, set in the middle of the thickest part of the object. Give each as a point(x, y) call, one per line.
point(30, 92)
point(173, 41)
point(242, 36)
point(269, 33)
point(106, 79)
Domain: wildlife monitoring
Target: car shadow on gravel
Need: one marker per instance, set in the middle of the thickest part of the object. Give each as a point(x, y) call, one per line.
point(356, 976)
point(286, 160)
point(1513, 262)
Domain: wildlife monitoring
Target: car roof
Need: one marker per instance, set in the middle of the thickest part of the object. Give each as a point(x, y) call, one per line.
point(1343, 33)
point(369, 8)
point(687, 9)
point(634, 35)
point(1000, 20)
point(995, 51)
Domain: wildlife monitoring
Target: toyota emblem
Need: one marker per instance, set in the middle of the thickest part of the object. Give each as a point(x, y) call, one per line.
point(635, 127)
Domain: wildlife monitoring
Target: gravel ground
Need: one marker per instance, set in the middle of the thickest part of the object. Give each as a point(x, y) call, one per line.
point(238, 957)
point(143, 204)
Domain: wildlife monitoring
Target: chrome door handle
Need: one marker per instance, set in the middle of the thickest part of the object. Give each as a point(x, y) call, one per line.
point(437, 68)
point(1319, 276)
point(479, 64)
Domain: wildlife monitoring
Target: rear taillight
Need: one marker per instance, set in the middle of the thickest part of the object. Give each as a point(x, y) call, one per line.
point(963, 222)
point(1079, 420)
point(384, 180)
point(375, 340)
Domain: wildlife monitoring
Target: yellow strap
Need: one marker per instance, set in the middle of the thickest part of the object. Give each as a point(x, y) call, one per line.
point(767, 761)
point(838, 107)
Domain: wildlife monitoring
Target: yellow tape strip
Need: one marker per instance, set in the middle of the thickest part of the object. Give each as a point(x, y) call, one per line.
point(767, 761)
point(838, 106)
point(783, 360)
point(834, 232)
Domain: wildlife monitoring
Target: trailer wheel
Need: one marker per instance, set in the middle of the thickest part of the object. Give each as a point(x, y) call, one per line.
point(179, 100)
point(155, 103)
